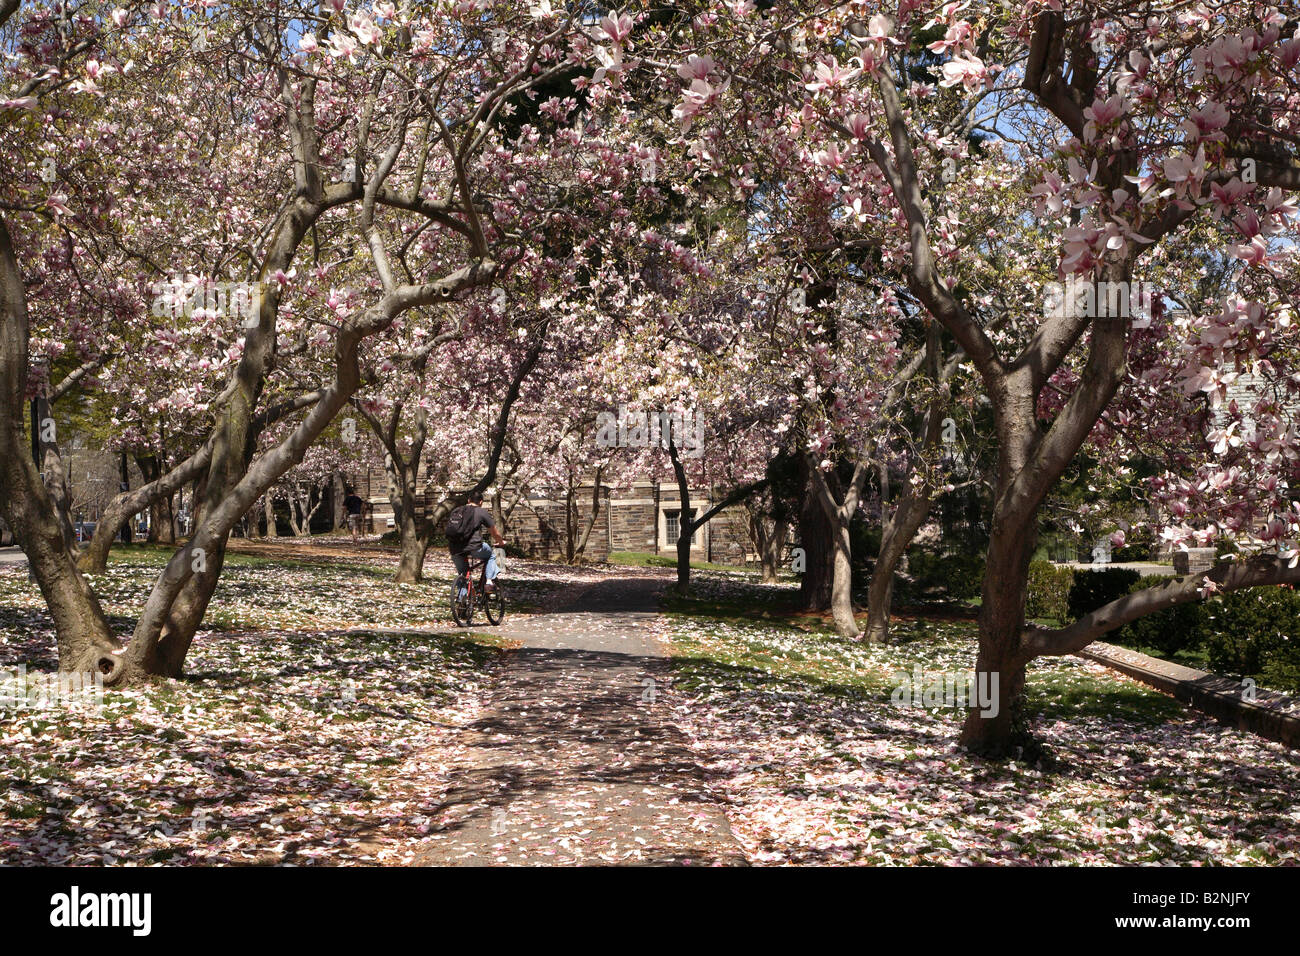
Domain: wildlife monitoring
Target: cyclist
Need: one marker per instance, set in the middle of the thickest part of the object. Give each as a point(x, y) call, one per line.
point(465, 528)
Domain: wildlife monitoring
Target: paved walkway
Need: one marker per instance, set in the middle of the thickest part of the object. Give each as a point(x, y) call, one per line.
point(12, 556)
point(575, 759)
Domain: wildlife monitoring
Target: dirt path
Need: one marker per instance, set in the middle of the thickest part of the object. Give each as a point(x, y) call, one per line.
point(575, 760)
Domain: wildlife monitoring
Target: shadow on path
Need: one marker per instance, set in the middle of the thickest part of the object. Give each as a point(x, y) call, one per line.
point(575, 759)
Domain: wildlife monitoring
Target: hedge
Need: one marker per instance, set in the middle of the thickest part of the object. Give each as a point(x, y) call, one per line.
point(1183, 627)
point(1049, 591)
point(959, 576)
point(1094, 589)
point(1257, 632)
point(1252, 632)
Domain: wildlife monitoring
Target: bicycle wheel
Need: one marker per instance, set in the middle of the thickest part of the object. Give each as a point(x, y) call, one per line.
point(462, 608)
point(494, 605)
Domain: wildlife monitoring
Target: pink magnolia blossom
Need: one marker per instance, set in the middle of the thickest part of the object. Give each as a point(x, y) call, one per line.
point(965, 70)
point(617, 28)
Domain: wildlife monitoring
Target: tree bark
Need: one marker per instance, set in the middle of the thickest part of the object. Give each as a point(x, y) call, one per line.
point(54, 471)
point(415, 533)
point(86, 643)
point(839, 506)
point(897, 534)
point(268, 512)
point(684, 525)
point(769, 543)
point(338, 492)
point(581, 549)
point(816, 538)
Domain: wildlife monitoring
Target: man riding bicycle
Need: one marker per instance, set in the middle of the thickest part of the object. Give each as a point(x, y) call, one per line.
point(465, 528)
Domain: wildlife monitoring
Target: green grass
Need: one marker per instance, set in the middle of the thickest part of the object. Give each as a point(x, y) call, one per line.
point(745, 640)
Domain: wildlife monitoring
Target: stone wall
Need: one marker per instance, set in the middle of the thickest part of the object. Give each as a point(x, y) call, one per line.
point(731, 542)
point(632, 524)
point(628, 521)
point(539, 528)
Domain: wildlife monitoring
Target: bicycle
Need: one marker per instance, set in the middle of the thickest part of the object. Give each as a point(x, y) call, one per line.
point(476, 594)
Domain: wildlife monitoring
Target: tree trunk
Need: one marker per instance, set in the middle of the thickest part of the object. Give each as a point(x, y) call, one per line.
point(685, 527)
point(769, 543)
point(900, 526)
point(148, 465)
point(85, 641)
point(880, 599)
point(414, 533)
point(897, 534)
point(55, 476)
point(842, 581)
point(295, 510)
point(414, 549)
point(570, 519)
point(595, 514)
point(161, 515)
point(268, 510)
point(338, 492)
point(1002, 657)
point(839, 504)
point(128, 533)
point(817, 541)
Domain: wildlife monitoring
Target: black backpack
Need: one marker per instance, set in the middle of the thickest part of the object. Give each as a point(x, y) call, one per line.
point(461, 526)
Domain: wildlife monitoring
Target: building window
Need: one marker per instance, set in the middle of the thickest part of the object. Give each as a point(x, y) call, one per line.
point(673, 527)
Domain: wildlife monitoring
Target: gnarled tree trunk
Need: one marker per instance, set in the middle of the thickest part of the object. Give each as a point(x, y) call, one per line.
point(768, 536)
point(85, 641)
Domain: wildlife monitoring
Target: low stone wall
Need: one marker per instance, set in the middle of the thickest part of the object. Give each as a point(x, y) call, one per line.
point(1193, 560)
point(1270, 714)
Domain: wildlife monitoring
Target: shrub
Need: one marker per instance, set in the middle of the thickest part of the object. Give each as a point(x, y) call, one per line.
point(1094, 589)
point(1141, 544)
point(1049, 591)
point(1183, 627)
point(1282, 667)
point(1256, 631)
point(957, 576)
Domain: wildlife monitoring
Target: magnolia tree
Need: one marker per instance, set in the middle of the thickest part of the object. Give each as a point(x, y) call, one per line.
point(427, 406)
point(519, 347)
point(370, 119)
point(849, 350)
point(682, 387)
point(1146, 118)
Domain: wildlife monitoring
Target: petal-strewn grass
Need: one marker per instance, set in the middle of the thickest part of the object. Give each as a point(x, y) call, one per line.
point(800, 735)
point(316, 722)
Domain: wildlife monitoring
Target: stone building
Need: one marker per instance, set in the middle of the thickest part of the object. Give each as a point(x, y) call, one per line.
point(642, 517)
